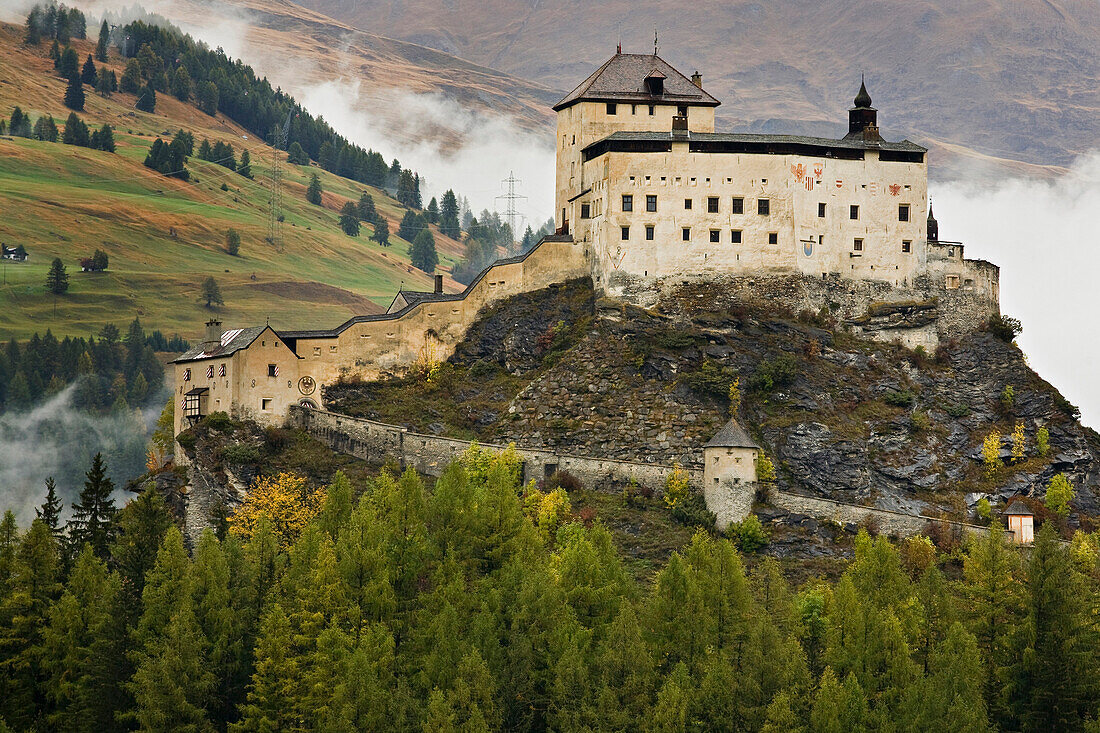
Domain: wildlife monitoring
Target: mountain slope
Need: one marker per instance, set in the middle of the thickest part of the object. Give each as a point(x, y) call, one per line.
point(1015, 80)
point(164, 236)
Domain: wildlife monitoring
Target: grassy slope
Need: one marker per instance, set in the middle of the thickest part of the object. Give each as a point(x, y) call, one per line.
point(62, 201)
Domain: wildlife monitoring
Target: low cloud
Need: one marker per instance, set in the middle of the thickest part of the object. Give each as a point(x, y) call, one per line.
point(1045, 235)
point(56, 439)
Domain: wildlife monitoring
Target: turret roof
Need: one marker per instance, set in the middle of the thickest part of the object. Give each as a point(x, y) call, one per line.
point(863, 99)
point(622, 79)
point(731, 435)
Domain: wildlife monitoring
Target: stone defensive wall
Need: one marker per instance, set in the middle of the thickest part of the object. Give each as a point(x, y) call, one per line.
point(430, 454)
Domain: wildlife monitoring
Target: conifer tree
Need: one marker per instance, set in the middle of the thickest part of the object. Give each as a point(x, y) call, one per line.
point(173, 687)
point(381, 232)
point(104, 39)
point(205, 152)
point(245, 168)
point(130, 83)
point(233, 242)
point(74, 94)
point(422, 253)
point(106, 83)
point(88, 73)
point(181, 84)
point(365, 209)
point(50, 511)
point(18, 395)
point(33, 34)
point(75, 132)
point(313, 191)
point(142, 526)
point(45, 129)
point(433, 211)
point(147, 99)
point(20, 123)
point(271, 703)
point(55, 55)
point(208, 98)
point(448, 215)
point(296, 155)
point(9, 544)
point(349, 219)
point(68, 64)
point(211, 293)
point(94, 515)
point(57, 279)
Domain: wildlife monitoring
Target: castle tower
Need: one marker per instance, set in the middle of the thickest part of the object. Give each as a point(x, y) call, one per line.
point(862, 117)
point(933, 225)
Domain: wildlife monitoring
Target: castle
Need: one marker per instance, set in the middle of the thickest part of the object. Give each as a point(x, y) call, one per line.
point(649, 197)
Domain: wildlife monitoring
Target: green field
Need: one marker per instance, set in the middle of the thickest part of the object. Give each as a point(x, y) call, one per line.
point(165, 236)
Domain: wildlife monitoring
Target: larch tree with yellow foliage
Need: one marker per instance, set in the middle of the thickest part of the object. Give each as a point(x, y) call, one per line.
point(287, 502)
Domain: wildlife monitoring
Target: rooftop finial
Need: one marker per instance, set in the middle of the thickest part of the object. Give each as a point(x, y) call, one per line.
point(863, 99)
point(654, 40)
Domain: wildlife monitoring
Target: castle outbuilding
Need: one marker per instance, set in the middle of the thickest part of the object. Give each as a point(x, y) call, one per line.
point(649, 197)
point(729, 473)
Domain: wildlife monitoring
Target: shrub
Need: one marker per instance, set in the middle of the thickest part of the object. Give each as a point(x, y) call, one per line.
point(765, 469)
point(564, 480)
point(276, 439)
point(734, 396)
point(991, 453)
point(587, 515)
point(944, 535)
point(1008, 397)
point(710, 379)
point(749, 534)
point(482, 369)
point(984, 510)
point(1067, 408)
point(676, 486)
point(218, 422)
point(775, 373)
point(1059, 494)
point(692, 512)
point(899, 398)
point(1004, 327)
point(1042, 440)
point(919, 421)
point(956, 409)
point(241, 453)
point(918, 553)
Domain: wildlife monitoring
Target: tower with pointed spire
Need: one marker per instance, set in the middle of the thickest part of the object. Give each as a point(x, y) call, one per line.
point(862, 117)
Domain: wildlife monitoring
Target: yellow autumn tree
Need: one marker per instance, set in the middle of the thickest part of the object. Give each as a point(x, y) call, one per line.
point(991, 453)
point(287, 502)
point(676, 485)
point(1019, 443)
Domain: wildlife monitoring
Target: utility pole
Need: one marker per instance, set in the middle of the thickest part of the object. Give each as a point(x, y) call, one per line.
point(510, 198)
point(281, 137)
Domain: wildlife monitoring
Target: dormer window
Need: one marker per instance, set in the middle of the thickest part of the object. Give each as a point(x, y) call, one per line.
point(655, 83)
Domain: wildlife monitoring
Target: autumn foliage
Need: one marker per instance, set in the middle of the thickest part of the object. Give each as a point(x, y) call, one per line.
point(285, 500)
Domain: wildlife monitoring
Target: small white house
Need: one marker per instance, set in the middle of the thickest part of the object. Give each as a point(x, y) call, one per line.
point(729, 473)
point(16, 254)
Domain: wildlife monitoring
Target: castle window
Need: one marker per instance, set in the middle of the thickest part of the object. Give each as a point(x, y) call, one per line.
point(628, 202)
point(903, 212)
point(906, 246)
point(821, 210)
point(715, 235)
point(686, 233)
point(221, 370)
point(611, 108)
point(316, 350)
point(210, 372)
point(272, 370)
point(332, 349)
point(187, 375)
point(951, 282)
point(712, 205)
point(652, 109)
point(738, 205)
point(650, 203)
point(773, 237)
point(649, 232)
point(586, 211)
point(265, 403)
point(735, 236)
point(853, 211)
point(682, 110)
point(687, 203)
point(633, 109)
point(763, 207)
point(857, 245)
point(625, 231)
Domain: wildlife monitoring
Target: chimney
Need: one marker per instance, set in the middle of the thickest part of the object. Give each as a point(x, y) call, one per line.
point(697, 79)
point(438, 284)
point(213, 338)
point(679, 126)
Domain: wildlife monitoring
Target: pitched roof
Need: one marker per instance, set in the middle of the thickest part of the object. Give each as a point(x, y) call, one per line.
point(1018, 508)
point(232, 341)
point(622, 79)
point(731, 435)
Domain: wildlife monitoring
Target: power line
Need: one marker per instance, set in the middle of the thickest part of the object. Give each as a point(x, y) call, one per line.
point(510, 200)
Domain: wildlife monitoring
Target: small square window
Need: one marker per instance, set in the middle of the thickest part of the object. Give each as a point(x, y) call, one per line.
point(738, 205)
point(611, 108)
point(265, 403)
point(586, 211)
point(272, 370)
point(652, 109)
point(651, 203)
point(715, 235)
point(906, 246)
point(628, 202)
point(316, 350)
point(903, 212)
point(857, 245)
point(853, 211)
point(773, 237)
point(649, 232)
point(687, 203)
point(763, 207)
point(821, 210)
point(712, 205)
point(625, 233)
point(735, 236)
point(686, 234)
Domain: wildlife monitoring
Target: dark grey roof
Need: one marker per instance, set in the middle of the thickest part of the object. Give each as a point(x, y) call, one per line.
point(622, 79)
point(420, 296)
point(731, 435)
point(1018, 508)
point(232, 341)
point(434, 297)
point(703, 140)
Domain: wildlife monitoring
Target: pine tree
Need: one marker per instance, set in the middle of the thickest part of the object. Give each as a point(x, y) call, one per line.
point(147, 99)
point(74, 94)
point(181, 84)
point(33, 35)
point(57, 279)
point(296, 155)
point(382, 232)
point(205, 152)
point(93, 520)
point(245, 168)
point(211, 293)
point(233, 242)
point(142, 526)
point(173, 686)
point(45, 129)
point(448, 216)
point(18, 395)
point(422, 253)
point(76, 132)
point(104, 39)
point(107, 144)
point(208, 98)
point(88, 72)
point(50, 511)
point(130, 83)
point(313, 191)
point(68, 64)
point(349, 219)
point(433, 211)
point(270, 705)
point(106, 83)
point(365, 210)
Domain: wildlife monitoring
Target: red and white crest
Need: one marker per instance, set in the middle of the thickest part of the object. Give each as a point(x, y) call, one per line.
point(819, 168)
point(839, 183)
point(895, 189)
point(798, 171)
